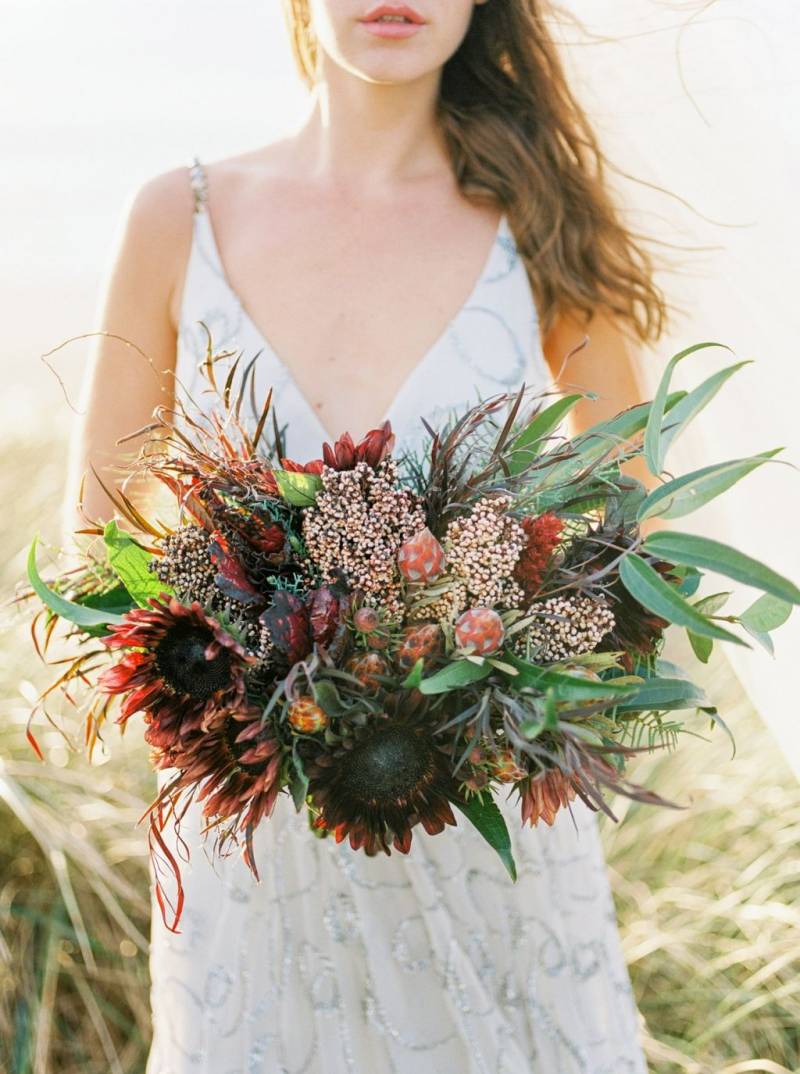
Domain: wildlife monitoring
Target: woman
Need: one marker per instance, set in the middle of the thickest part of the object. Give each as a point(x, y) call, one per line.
point(436, 132)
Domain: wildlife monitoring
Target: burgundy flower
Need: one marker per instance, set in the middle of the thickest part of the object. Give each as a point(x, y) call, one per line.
point(375, 446)
point(183, 672)
point(287, 621)
point(327, 607)
point(233, 768)
point(375, 790)
point(231, 578)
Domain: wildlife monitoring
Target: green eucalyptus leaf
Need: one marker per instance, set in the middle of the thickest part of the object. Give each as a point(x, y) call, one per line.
point(414, 677)
point(78, 614)
point(767, 613)
point(661, 695)
point(299, 782)
point(715, 556)
point(654, 449)
point(702, 647)
point(453, 676)
point(693, 403)
point(565, 686)
point(524, 448)
point(600, 439)
point(483, 812)
point(646, 585)
point(680, 497)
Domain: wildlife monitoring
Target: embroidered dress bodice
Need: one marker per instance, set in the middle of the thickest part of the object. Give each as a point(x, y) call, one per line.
point(433, 962)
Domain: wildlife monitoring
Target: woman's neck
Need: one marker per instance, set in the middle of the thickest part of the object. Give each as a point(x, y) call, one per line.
point(369, 135)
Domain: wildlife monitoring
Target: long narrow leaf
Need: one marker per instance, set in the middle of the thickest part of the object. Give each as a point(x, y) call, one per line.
point(74, 613)
point(653, 444)
point(707, 554)
point(685, 494)
point(459, 673)
point(484, 813)
point(646, 585)
point(523, 448)
point(695, 402)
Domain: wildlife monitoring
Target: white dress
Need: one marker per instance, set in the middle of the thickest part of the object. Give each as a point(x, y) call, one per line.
point(433, 962)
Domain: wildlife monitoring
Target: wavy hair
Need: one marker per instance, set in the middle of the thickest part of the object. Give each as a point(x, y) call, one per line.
point(518, 138)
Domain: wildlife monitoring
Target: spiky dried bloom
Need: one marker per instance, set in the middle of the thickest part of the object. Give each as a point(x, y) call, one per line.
point(564, 627)
point(542, 796)
point(356, 527)
point(184, 671)
point(483, 548)
point(542, 535)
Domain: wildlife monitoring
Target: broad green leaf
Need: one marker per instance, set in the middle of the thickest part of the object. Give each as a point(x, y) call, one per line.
point(565, 685)
point(78, 614)
point(702, 552)
point(129, 562)
point(653, 445)
point(710, 605)
point(490, 822)
point(298, 783)
point(297, 488)
point(524, 447)
point(414, 677)
point(764, 615)
point(702, 647)
point(693, 403)
point(327, 697)
point(459, 673)
point(117, 600)
point(661, 695)
point(691, 580)
point(767, 613)
point(713, 603)
point(680, 497)
point(646, 585)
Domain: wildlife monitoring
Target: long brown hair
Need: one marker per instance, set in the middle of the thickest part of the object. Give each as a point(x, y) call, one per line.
point(518, 137)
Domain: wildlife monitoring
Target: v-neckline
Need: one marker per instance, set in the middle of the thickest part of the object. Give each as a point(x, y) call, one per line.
point(289, 376)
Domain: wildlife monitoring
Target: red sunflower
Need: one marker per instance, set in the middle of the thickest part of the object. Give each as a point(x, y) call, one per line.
point(390, 778)
point(234, 767)
point(184, 669)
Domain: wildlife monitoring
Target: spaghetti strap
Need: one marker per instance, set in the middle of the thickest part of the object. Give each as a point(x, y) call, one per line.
point(199, 183)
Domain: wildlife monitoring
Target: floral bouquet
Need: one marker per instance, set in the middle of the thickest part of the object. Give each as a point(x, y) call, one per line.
point(388, 639)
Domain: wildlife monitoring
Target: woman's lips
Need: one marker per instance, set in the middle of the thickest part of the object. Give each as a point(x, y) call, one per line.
point(390, 28)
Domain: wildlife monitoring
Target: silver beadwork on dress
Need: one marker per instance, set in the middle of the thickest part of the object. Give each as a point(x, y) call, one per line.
point(428, 963)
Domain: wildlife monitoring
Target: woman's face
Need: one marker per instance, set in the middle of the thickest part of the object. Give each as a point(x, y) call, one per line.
point(390, 51)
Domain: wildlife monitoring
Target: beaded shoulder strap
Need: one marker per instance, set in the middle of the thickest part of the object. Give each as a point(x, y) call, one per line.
point(199, 183)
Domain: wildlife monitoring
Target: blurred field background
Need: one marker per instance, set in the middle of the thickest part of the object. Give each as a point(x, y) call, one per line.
point(708, 897)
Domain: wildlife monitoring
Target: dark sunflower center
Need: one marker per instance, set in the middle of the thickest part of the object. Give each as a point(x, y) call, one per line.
point(391, 766)
point(181, 659)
